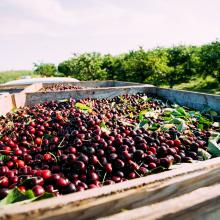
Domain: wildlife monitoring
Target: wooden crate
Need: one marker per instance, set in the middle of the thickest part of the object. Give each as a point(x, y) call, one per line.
point(108, 200)
point(20, 98)
point(15, 96)
point(137, 193)
point(6, 103)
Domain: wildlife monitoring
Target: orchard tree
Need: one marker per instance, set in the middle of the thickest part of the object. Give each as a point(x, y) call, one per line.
point(45, 69)
point(85, 66)
point(183, 61)
point(210, 60)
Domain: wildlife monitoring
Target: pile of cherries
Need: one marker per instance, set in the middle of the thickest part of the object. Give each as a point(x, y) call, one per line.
point(58, 148)
point(60, 87)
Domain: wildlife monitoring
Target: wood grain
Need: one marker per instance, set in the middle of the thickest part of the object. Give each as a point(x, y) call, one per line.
point(203, 203)
point(102, 91)
point(111, 199)
point(17, 98)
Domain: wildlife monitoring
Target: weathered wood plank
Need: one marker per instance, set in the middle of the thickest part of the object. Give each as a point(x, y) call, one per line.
point(202, 204)
point(130, 194)
point(97, 83)
point(17, 98)
point(109, 89)
point(6, 103)
point(21, 99)
point(108, 92)
point(194, 100)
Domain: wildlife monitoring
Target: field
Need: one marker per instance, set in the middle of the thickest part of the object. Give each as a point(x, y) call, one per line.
point(199, 84)
point(13, 75)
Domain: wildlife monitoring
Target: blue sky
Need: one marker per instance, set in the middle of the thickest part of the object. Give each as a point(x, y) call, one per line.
point(51, 30)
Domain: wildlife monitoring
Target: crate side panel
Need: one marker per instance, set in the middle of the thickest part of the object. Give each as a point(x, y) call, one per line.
point(73, 204)
point(20, 98)
point(34, 98)
point(203, 204)
point(191, 99)
point(6, 104)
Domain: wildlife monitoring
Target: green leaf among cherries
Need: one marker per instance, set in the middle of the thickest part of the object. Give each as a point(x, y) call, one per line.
point(15, 195)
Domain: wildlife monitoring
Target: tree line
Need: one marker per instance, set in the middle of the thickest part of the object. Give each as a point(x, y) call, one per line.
point(159, 66)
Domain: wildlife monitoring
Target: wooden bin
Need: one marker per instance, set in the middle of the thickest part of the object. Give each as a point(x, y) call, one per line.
point(13, 97)
point(133, 194)
point(6, 103)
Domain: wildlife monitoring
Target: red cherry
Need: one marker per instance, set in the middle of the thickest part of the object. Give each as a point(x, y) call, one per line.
point(153, 150)
point(38, 141)
point(4, 182)
point(20, 163)
point(59, 117)
point(108, 168)
point(47, 157)
point(170, 143)
point(46, 174)
point(38, 190)
point(22, 188)
point(6, 150)
point(177, 143)
point(10, 164)
point(152, 165)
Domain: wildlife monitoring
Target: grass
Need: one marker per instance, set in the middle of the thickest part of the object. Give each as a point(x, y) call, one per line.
point(13, 75)
point(200, 84)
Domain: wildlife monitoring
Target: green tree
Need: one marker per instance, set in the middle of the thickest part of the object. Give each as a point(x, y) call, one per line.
point(86, 66)
point(109, 64)
point(45, 69)
point(210, 60)
point(183, 61)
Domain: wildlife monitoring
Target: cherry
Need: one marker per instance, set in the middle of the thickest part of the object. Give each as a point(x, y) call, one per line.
point(47, 157)
point(54, 143)
point(50, 188)
point(61, 182)
point(46, 174)
point(79, 165)
point(38, 190)
point(37, 181)
point(38, 141)
point(132, 175)
point(20, 163)
point(3, 193)
point(93, 176)
point(6, 150)
point(177, 143)
point(10, 164)
point(22, 188)
point(70, 188)
point(4, 182)
point(152, 165)
point(13, 179)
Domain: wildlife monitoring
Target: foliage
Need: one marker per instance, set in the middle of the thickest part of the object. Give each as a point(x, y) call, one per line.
point(210, 60)
point(45, 69)
point(159, 66)
point(200, 84)
point(86, 66)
